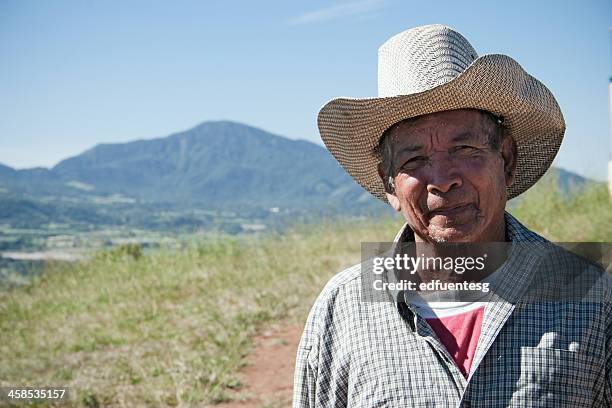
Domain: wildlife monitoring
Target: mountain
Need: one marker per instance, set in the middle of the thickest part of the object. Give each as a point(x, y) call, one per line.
point(216, 165)
point(566, 179)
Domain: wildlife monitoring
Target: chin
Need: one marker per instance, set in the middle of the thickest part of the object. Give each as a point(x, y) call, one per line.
point(444, 235)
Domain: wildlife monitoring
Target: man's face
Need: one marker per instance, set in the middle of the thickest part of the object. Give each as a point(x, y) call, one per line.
point(450, 184)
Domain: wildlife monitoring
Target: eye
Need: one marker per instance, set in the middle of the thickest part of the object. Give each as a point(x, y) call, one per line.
point(414, 162)
point(465, 149)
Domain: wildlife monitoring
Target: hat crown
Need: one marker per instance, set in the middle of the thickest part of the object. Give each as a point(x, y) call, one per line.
point(422, 58)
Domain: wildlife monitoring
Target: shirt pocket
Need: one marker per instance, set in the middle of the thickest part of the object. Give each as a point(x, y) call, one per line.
point(555, 377)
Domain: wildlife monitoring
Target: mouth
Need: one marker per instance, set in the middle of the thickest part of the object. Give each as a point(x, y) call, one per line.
point(449, 211)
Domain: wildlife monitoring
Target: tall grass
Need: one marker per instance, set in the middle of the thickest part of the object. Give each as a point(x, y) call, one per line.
point(173, 328)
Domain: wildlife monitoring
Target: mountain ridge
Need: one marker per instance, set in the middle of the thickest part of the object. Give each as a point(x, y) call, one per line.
point(214, 163)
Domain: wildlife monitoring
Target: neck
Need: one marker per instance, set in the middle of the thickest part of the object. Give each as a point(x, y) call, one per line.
point(488, 242)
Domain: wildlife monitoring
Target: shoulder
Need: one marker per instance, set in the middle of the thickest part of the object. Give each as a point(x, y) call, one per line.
point(332, 307)
point(342, 290)
point(564, 271)
point(517, 232)
point(340, 281)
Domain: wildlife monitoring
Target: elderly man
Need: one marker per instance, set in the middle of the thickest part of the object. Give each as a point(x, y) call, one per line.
point(451, 137)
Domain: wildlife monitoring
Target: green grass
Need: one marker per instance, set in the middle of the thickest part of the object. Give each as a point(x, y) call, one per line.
point(173, 327)
point(584, 215)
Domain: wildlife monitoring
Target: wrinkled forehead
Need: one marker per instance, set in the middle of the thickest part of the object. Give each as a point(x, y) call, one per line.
point(447, 126)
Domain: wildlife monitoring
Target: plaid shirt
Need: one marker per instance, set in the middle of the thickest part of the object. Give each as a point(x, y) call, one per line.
point(530, 354)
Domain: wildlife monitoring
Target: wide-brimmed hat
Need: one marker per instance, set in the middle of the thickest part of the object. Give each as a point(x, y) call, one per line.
point(430, 69)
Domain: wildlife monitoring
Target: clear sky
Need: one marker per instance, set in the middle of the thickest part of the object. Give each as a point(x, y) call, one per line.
point(77, 73)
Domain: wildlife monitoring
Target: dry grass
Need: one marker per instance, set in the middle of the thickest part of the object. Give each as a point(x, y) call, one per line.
point(167, 329)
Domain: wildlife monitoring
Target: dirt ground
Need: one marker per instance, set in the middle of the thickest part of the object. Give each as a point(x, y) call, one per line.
point(268, 377)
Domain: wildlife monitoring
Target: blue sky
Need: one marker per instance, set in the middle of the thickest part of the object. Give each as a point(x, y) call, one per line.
point(77, 73)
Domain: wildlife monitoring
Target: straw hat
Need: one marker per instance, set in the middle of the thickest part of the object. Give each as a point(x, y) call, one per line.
point(430, 69)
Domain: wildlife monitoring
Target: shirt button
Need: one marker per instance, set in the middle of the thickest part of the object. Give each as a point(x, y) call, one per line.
point(466, 404)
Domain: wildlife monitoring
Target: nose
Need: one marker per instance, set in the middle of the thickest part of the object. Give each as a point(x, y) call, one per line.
point(444, 176)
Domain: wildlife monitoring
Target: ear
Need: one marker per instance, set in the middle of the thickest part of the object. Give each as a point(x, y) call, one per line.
point(509, 154)
point(394, 201)
point(391, 197)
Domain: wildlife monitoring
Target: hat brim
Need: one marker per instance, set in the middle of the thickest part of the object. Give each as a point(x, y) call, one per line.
point(351, 127)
